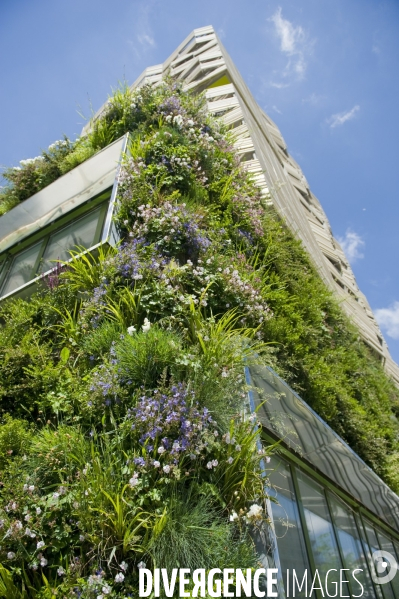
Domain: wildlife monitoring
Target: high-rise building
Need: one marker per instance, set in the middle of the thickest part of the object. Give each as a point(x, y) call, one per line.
point(202, 63)
point(333, 512)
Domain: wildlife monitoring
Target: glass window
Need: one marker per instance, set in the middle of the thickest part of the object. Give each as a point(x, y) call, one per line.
point(321, 533)
point(22, 268)
point(387, 545)
point(351, 546)
point(80, 233)
point(375, 546)
point(2, 269)
point(290, 540)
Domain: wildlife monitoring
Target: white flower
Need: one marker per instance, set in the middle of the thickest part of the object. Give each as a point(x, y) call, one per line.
point(134, 481)
point(31, 487)
point(233, 516)
point(225, 374)
point(10, 555)
point(27, 517)
point(100, 597)
point(230, 460)
point(25, 487)
point(123, 566)
point(56, 495)
point(157, 464)
point(38, 511)
point(178, 120)
point(81, 538)
point(161, 449)
point(18, 525)
point(60, 571)
point(28, 532)
point(267, 459)
point(238, 447)
point(215, 463)
point(146, 326)
point(43, 561)
point(254, 512)
point(141, 565)
point(166, 469)
point(209, 465)
point(40, 544)
point(106, 590)
point(119, 577)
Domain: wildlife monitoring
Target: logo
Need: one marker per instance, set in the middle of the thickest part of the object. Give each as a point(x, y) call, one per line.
point(384, 567)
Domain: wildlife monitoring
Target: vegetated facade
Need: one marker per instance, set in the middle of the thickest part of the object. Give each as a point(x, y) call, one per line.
point(126, 435)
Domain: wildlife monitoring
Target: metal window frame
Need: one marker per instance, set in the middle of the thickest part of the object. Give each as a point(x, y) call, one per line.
point(359, 521)
point(328, 488)
point(43, 236)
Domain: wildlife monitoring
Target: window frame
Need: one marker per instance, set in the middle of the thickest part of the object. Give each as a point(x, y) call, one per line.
point(104, 200)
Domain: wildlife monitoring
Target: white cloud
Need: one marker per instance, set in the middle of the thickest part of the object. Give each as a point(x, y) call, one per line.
point(279, 85)
point(294, 43)
point(313, 99)
point(352, 244)
point(290, 36)
point(388, 319)
point(336, 120)
point(145, 39)
point(276, 110)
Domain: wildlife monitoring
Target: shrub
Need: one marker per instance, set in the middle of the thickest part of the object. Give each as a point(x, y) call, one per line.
point(144, 357)
point(15, 437)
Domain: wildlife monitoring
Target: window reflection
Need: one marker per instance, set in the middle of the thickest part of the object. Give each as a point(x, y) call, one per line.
point(387, 545)
point(291, 544)
point(22, 268)
point(79, 233)
point(351, 545)
point(320, 529)
point(375, 546)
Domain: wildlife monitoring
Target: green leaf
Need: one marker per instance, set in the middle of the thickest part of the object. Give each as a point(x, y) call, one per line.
point(64, 355)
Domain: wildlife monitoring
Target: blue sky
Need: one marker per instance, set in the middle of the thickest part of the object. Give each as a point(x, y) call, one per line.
point(326, 71)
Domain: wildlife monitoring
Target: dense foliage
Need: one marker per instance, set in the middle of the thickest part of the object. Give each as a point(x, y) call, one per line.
point(123, 439)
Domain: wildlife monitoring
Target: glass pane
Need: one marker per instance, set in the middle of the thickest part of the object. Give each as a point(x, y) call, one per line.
point(375, 546)
point(396, 544)
point(387, 545)
point(368, 551)
point(22, 268)
point(81, 232)
point(321, 532)
point(2, 270)
point(351, 547)
point(290, 541)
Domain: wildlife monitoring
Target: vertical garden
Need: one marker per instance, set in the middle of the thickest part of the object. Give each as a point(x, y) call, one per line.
point(124, 433)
